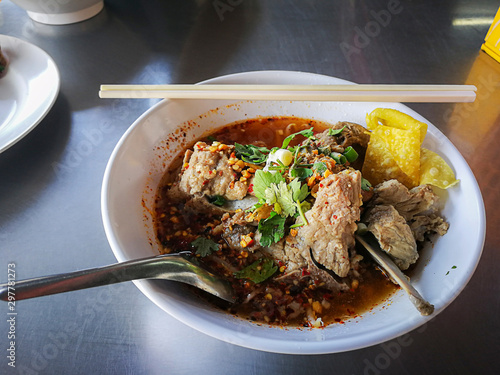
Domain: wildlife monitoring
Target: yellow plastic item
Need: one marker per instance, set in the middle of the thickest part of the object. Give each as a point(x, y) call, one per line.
point(491, 43)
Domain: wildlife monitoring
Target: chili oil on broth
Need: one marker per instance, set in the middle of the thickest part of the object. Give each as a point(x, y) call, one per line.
point(276, 301)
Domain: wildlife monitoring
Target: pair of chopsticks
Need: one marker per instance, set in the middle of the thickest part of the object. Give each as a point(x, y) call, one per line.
point(348, 93)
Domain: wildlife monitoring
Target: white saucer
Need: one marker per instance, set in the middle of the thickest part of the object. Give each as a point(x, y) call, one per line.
point(27, 90)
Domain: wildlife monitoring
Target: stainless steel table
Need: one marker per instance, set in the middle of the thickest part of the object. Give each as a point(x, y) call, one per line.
point(50, 182)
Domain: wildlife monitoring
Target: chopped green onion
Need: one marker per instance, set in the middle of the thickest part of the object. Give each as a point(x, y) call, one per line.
point(350, 154)
point(339, 158)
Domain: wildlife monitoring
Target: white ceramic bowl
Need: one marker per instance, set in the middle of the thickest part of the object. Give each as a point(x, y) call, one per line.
point(60, 12)
point(149, 145)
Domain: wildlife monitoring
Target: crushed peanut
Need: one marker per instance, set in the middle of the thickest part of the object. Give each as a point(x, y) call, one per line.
point(311, 180)
point(317, 307)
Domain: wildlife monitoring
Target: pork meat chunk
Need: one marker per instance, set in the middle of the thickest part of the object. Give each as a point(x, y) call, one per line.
point(293, 252)
point(393, 234)
point(207, 171)
point(351, 135)
point(418, 206)
point(408, 203)
point(332, 221)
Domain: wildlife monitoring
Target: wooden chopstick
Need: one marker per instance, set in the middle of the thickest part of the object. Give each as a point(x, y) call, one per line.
point(376, 93)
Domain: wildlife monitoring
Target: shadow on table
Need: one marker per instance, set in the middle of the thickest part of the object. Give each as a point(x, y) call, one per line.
point(141, 42)
point(27, 164)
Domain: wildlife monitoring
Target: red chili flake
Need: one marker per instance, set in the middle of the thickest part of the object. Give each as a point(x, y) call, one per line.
point(205, 182)
point(250, 188)
point(320, 185)
point(210, 172)
point(305, 272)
point(221, 173)
point(335, 217)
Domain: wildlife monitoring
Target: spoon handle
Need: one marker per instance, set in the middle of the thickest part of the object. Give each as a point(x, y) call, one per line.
point(169, 266)
point(424, 307)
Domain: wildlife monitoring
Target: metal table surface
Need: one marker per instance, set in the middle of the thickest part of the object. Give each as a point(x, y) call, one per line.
point(50, 219)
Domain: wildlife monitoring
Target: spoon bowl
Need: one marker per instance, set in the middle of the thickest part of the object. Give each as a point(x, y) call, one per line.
point(176, 267)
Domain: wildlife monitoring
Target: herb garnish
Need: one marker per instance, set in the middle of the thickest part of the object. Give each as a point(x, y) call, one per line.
point(251, 153)
point(320, 167)
point(287, 200)
point(335, 131)
point(218, 200)
point(365, 184)
point(308, 133)
point(263, 180)
point(272, 189)
point(350, 154)
point(204, 246)
point(272, 229)
point(338, 157)
point(258, 271)
point(453, 267)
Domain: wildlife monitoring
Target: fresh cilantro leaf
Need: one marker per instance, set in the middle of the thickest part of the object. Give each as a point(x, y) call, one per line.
point(271, 194)
point(365, 184)
point(335, 131)
point(285, 197)
point(308, 133)
point(285, 200)
point(301, 173)
point(299, 191)
point(272, 229)
point(218, 200)
point(264, 179)
point(279, 196)
point(251, 153)
point(204, 246)
point(258, 271)
point(320, 167)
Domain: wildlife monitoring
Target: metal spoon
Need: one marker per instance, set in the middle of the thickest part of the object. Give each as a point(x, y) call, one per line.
point(167, 267)
point(424, 307)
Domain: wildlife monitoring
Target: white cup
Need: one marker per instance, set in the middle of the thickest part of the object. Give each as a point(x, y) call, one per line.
point(60, 12)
